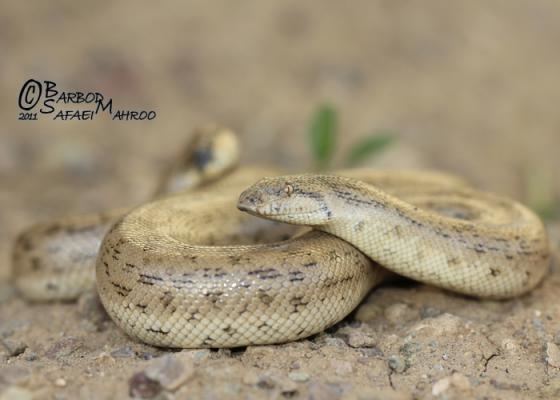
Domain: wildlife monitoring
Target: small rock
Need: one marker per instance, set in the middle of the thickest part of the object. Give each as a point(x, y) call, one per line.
point(31, 356)
point(410, 348)
point(334, 341)
point(429, 312)
point(60, 382)
point(372, 352)
point(441, 386)
point(538, 324)
point(13, 347)
point(553, 355)
point(298, 376)
point(123, 352)
point(458, 381)
point(16, 393)
point(288, 388)
point(266, 382)
point(399, 312)
point(442, 325)
point(63, 348)
point(510, 345)
point(170, 371)
point(360, 339)
point(368, 312)
point(397, 363)
point(143, 387)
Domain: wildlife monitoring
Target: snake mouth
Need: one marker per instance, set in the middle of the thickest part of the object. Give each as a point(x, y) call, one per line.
point(264, 211)
point(260, 210)
point(249, 208)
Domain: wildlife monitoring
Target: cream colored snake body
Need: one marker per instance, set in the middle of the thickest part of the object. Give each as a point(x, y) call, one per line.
point(184, 270)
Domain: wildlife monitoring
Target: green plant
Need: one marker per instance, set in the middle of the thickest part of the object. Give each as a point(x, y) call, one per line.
point(323, 132)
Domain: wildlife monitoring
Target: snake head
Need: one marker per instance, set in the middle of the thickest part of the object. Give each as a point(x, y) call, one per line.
point(294, 199)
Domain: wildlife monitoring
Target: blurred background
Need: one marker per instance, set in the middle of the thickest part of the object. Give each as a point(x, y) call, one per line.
point(468, 87)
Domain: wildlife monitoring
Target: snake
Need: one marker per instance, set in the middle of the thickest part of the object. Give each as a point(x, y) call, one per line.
point(226, 256)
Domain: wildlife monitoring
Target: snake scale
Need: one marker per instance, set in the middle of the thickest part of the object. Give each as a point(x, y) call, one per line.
point(189, 270)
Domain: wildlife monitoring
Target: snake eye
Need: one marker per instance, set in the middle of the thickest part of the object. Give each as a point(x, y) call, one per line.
point(288, 189)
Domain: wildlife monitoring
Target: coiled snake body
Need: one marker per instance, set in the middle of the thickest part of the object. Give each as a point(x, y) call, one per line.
point(185, 271)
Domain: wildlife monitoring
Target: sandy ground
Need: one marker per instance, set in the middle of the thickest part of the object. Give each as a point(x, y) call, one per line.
point(470, 88)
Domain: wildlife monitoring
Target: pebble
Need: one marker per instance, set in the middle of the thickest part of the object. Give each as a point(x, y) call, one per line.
point(458, 381)
point(13, 347)
point(288, 388)
point(60, 382)
point(358, 339)
point(298, 376)
point(429, 312)
point(368, 312)
point(441, 386)
point(509, 345)
point(372, 352)
point(171, 371)
point(397, 363)
point(410, 348)
point(266, 382)
point(334, 341)
point(63, 348)
point(31, 356)
point(553, 355)
point(141, 386)
point(442, 325)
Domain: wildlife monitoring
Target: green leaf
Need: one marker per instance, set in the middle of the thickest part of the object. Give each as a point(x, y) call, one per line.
point(369, 147)
point(323, 130)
